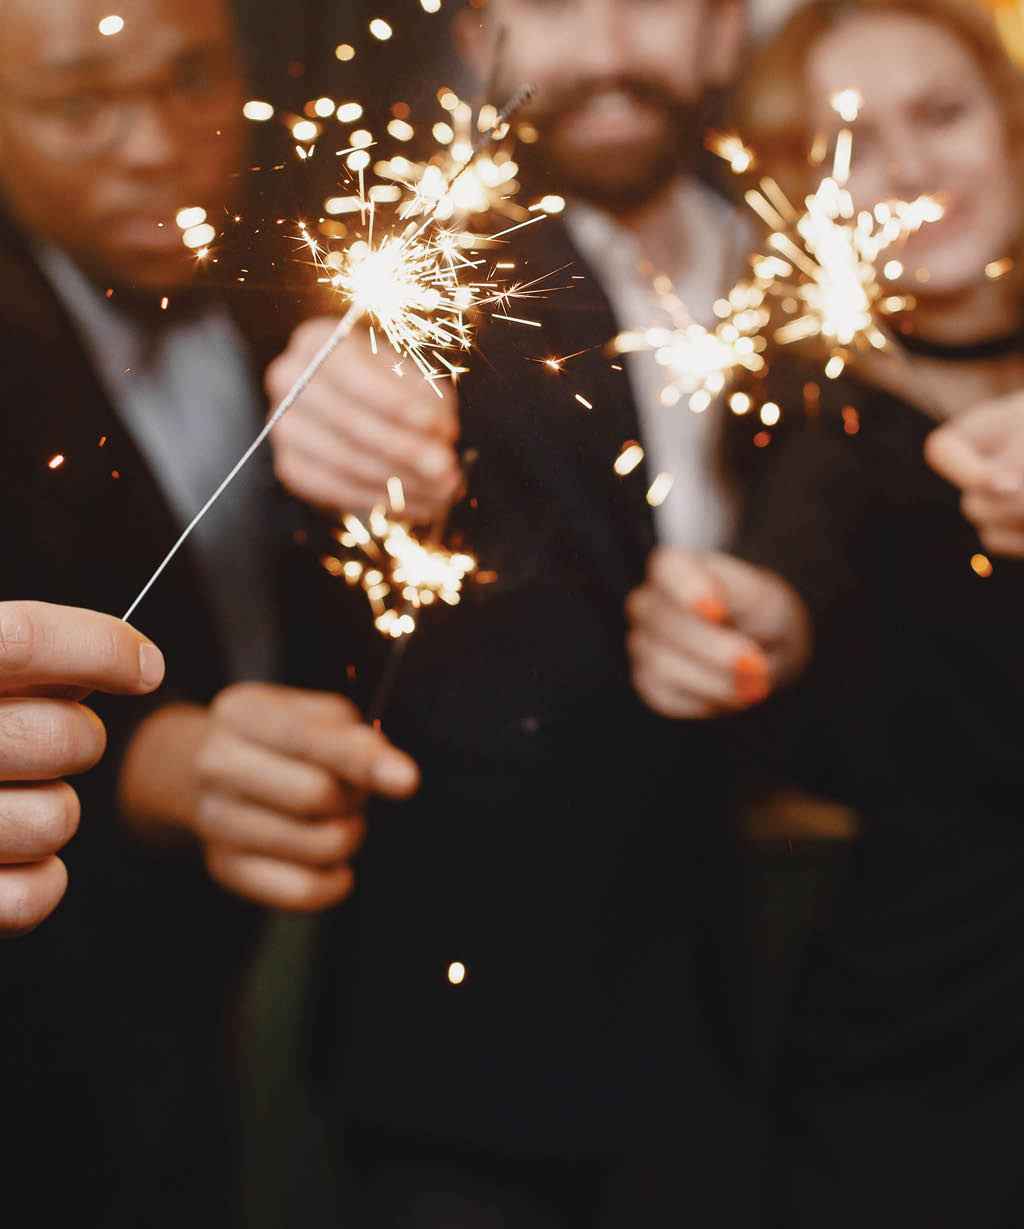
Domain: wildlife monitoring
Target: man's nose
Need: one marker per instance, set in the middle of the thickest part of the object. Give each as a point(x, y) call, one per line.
point(150, 140)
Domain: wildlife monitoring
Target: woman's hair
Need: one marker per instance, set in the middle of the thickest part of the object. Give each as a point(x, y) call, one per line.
point(770, 105)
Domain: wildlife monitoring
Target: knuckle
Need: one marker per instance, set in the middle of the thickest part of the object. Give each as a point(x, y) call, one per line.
point(17, 636)
point(57, 818)
point(315, 793)
point(229, 705)
point(209, 763)
point(209, 816)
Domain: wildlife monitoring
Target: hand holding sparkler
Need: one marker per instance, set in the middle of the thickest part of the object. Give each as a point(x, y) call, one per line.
point(360, 424)
point(981, 451)
point(710, 634)
point(272, 781)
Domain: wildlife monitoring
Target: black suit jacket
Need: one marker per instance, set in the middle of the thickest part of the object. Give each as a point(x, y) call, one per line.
point(114, 1015)
point(569, 848)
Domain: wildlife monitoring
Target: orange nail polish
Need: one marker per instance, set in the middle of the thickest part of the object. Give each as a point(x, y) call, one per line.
point(751, 666)
point(711, 608)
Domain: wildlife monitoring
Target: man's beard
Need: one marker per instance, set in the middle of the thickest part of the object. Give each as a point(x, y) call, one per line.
point(617, 178)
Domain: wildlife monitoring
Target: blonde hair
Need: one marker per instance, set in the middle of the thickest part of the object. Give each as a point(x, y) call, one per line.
point(770, 105)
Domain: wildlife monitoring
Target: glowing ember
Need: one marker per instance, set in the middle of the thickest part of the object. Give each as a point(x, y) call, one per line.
point(399, 573)
point(56, 462)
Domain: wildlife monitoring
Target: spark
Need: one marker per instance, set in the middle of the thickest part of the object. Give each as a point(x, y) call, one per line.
point(55, 462)
point(399, 573)
point(697, 362)
point(460, 182)
point(659, 489)
point(257, 111)
point(727, 145)
point(629, 458)
point(111, 25)
point(408, 285)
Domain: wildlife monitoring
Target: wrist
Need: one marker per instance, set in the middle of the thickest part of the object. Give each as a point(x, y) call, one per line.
point(158, 785)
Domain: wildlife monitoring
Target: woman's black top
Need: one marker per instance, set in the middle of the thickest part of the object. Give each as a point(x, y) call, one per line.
point(905, 1050)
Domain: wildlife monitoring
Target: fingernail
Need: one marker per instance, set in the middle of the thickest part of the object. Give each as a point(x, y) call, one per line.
point(392, 775)
point(433, 463)
point(751, 667)
point(711, 608)
point(750, 692)
point(151, 664)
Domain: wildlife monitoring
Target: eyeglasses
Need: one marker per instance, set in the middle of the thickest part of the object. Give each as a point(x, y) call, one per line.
point(84, 123)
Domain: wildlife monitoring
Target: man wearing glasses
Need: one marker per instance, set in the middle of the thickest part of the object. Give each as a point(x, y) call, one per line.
point(129, 390)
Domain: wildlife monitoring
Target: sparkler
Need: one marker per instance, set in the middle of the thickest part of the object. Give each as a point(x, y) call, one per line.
point(823, 270)
point(459, 184)
point(408, 285)
point(821, 279)
point(399, 573)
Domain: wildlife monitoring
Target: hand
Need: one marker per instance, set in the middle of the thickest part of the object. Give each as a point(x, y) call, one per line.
point(272, 781)
point(981, 451)
point(48, 653)
point(712, 635)
point(358, 424)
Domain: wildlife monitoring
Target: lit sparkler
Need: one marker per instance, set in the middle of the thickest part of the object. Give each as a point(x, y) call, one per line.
point(399, 573)
point(823, 278)
point(408, 284)
point(697, 363)
point(459, 184)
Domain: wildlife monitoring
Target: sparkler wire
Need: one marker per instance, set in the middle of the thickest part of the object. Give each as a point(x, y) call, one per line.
point(344, 327)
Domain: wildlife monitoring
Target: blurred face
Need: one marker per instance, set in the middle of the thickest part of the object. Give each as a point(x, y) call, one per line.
point(618, 82)
point(103, 138)
point(929, 124)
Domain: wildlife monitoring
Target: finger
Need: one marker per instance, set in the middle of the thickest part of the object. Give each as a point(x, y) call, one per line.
point(667, 703)
point(681, 675)
point(41, 644)
point(683, 577)
point(1008, 543)
point(43, 739)
point(721, 651)
point(232, 765)
point(36, 820)
point(344, 431)
point(953, 452)
point(431, 477)
point(993, 510)
point(354, 372)
point(277, 884)
point(249, 828)
point(323, 729)
point(29, 894)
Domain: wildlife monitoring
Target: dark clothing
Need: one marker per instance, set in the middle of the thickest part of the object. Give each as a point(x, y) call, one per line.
point(115, 1015)
point(572, 850)
point(904, 1073)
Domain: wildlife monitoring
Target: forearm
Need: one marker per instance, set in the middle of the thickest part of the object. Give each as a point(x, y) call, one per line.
point(158, 786)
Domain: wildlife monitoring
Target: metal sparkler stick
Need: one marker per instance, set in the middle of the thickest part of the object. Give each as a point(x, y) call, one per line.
point(344, 327)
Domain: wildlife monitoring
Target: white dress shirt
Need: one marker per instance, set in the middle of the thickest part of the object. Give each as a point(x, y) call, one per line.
point(186, 396)
point(713, 242)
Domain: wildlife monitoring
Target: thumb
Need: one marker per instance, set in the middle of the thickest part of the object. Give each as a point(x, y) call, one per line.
point(685, 579)
point(956, 455)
